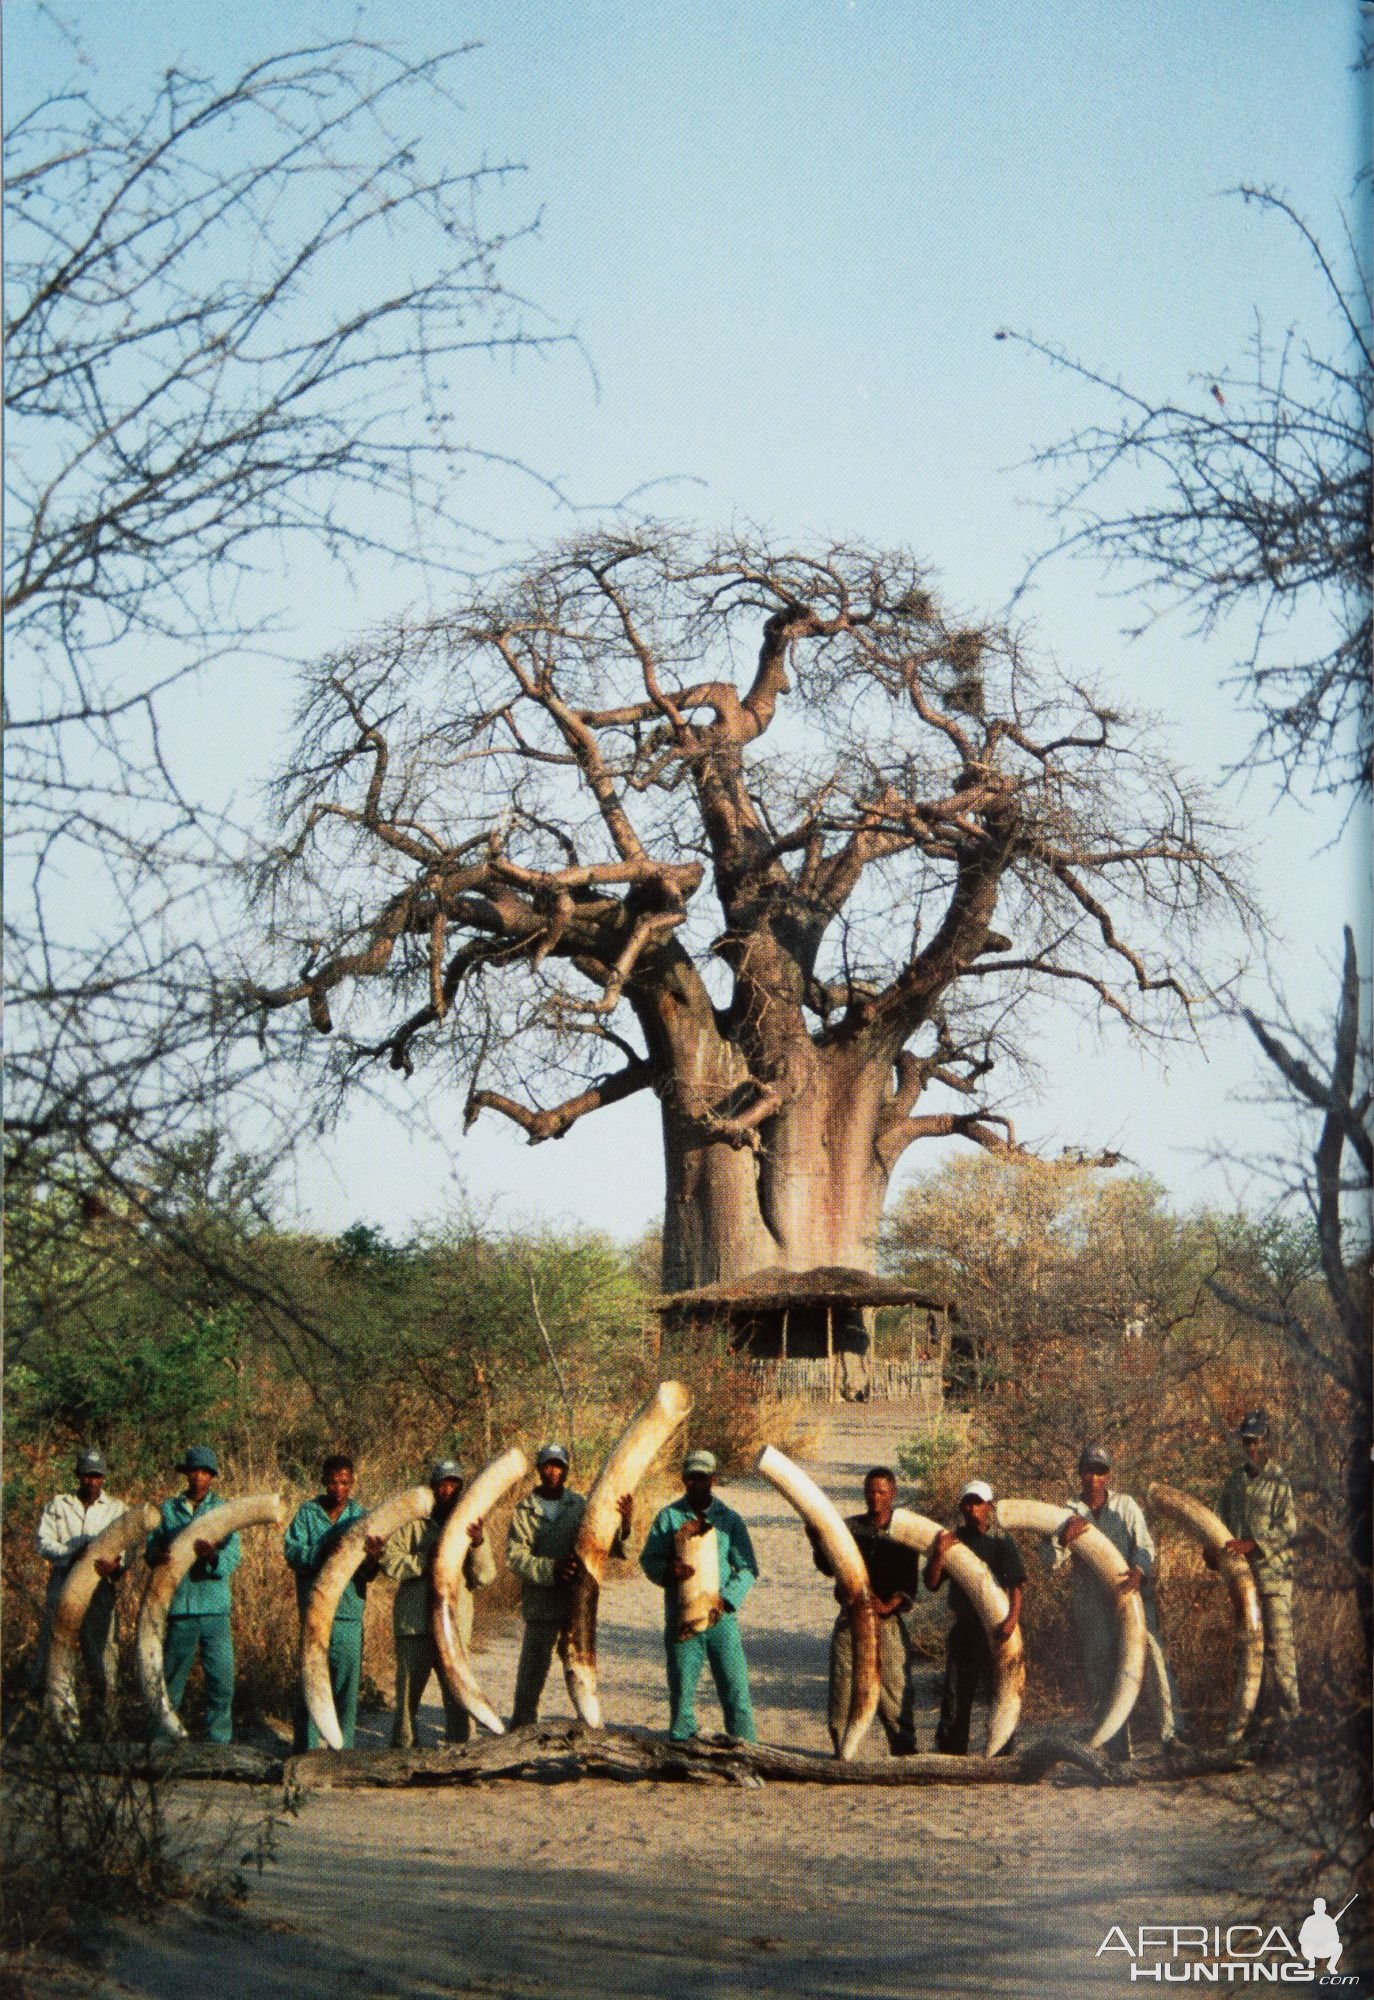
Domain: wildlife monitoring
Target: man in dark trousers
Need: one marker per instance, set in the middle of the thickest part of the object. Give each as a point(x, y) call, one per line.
point(968, 1656)
point(894, 1575)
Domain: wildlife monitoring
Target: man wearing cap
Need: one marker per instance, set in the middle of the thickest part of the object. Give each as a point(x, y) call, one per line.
point(1120, 1519)
point(541, 1549)
point(198, 1616)
point(968, 1656)
point(894, 1575)
point(701, 1624)
point(1256, 1504)
point(406, 1557)
point(67, 1525)
point(315, 1531)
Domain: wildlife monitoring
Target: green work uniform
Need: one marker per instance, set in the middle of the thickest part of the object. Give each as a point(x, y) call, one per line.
point(310, 1540)
point(198, 1617)
point(719, 1646)
point(407, 1559)
point(1258, 1507)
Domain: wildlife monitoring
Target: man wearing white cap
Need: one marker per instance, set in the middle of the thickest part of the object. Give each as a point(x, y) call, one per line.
point(968, 1657)
point(541, 1548)
point(699, 1554)
point(66, 1527)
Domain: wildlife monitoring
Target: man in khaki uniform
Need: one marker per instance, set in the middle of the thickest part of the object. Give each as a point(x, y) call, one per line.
point(1256, 1503)
point(406, 1557)
point(541, 1549)
point(68, 1525)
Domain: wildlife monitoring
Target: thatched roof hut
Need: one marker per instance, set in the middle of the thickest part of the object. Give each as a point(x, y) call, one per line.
point(797, 1314)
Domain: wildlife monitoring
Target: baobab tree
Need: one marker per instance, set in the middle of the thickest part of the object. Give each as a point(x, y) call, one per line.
point(762, 832)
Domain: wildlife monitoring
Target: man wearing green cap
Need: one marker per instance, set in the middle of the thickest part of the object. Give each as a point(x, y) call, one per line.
point(67, 1526)
point(541, 1549)
point(198, 1616)
point(407, 1557)
point(1256, 1503)
point(699, 1554)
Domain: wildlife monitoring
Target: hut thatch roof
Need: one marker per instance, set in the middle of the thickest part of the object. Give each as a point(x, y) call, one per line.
point(771, 1291)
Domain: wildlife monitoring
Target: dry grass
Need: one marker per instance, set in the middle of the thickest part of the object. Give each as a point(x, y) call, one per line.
point(77, 1841)
point(729, 1414)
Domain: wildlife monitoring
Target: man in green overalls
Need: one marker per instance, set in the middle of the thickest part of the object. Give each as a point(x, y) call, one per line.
point(315, 1532)
point(717, 1642)
point(198, 1617)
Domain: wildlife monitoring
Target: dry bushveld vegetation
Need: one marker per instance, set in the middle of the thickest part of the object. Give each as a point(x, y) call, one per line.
point(729, 1412)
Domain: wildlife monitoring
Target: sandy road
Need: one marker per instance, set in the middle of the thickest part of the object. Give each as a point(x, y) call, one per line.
point(601, 1889)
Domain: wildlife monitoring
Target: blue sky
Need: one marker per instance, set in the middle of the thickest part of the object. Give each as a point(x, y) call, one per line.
point(786, 235)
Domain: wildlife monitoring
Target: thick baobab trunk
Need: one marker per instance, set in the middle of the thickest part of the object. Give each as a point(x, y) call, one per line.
point(811, 1194)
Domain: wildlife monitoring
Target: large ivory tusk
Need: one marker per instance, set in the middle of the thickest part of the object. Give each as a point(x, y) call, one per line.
point(643, 1438)
point(252, 1511)
point(133, 1527)
point(447, 1586)
point(842, 1552)
point(1043, 1517)
point(1213, 1534)
point(990, 1601)
point(414, 1504)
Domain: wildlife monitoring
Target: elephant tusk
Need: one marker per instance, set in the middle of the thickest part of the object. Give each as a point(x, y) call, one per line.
point(134, 1525)
point(398, 1511)
point(991, 1603)
point(842, 1552)
point(1043, 1517)
point(1212, 1533)
point(252, 1511)
point(447, 1587)
point(643, 1438)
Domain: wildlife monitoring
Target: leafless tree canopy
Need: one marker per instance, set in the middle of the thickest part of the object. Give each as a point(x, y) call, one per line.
point(1255, 498)
point(733, 825)
point(236, 318)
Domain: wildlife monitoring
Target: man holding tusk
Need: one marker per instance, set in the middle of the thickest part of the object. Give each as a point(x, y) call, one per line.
point(1121, 1520)
point(541, 1549)
point(1256, 1504)
point(198, 1616)
point(894, 1575)
point(406, 1557)
point(66, 1527)
point(315, 1531)
point(699, 1554)
point(968, 1657)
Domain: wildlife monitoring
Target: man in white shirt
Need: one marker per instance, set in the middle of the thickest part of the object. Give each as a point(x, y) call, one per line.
point(68, 1523)
point(1120, 1519)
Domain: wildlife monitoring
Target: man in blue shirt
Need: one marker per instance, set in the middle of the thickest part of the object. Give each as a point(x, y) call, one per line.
point(699, 1554)
point(315, 1532)
point(198, 1617)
